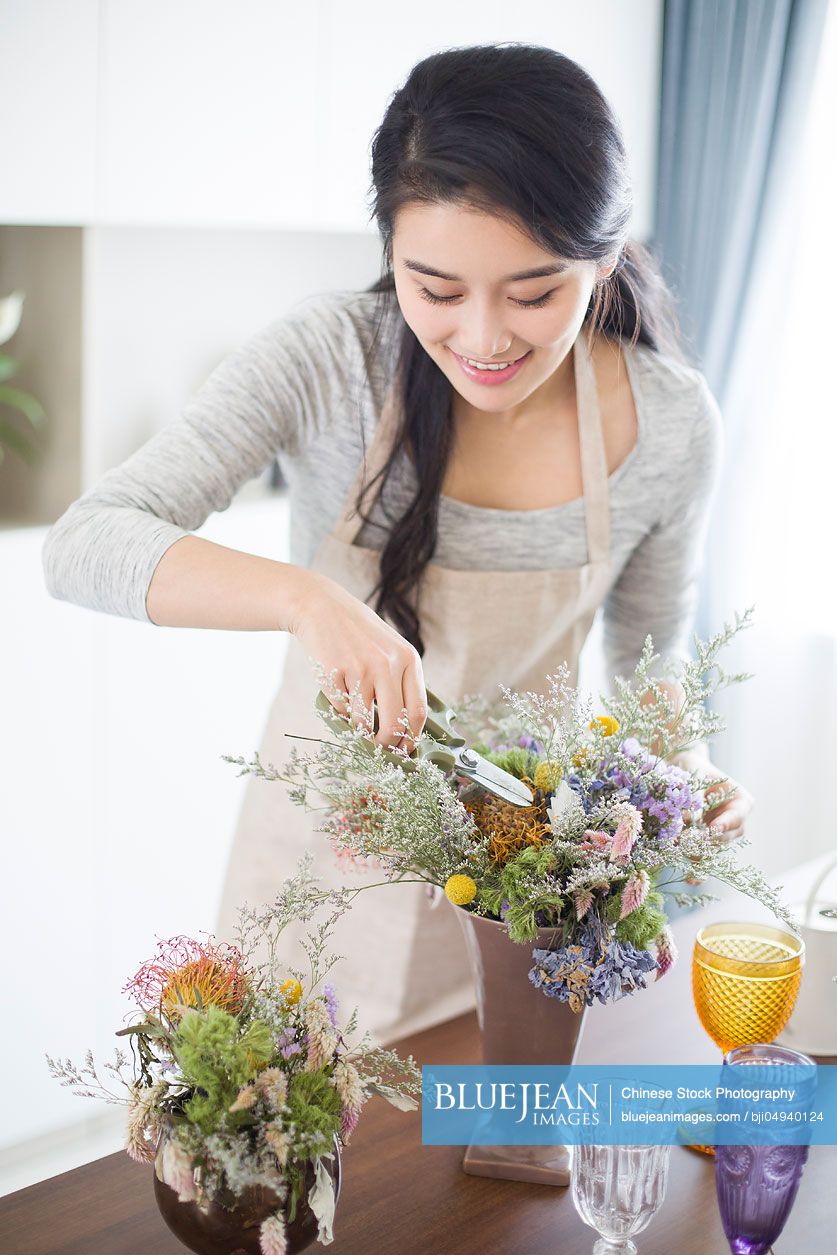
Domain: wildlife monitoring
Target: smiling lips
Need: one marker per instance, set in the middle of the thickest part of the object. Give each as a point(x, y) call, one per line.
point(489, 373)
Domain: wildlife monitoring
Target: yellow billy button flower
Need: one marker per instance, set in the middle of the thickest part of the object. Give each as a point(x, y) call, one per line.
point(291, 991)
point(547, 776)
point(606, 724)
point(460, 890)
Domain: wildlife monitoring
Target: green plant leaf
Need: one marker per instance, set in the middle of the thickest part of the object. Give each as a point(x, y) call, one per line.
point(12, 439)
point(402, 1101)
point(11, 311)
point(8, 366)
point(23, 401)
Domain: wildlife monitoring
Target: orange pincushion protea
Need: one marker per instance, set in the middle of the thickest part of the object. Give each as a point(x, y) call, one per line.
point(189, 973)
point(509, 828)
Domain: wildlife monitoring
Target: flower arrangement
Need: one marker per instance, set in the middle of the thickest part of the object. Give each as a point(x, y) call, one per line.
point(614, 825)
point(246, 1068)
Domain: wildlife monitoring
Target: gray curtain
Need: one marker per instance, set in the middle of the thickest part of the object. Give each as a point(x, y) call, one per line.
point(736, 78)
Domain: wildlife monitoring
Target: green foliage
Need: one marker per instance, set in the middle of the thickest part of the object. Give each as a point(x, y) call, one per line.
point(314, 1109)
point(489, 900)
point(516, 761)
point(217, 1059)
point(526, 882)
point(11, 436)
point(644, 924)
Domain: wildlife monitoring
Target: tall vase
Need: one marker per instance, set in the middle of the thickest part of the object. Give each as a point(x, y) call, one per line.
point(518, 1025)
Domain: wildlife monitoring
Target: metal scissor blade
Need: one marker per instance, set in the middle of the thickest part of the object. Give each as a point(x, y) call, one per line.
point(507, 793)
point(493, 778)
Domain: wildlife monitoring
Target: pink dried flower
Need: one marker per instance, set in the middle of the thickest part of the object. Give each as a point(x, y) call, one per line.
point(322, 1040)
point(346, 1080)
point(273, 1084)
point(279, 1142)
point(144, 1120)
point(246, 1098)
point(635, 892)
point(583, 902)
point(348, 1122)
point(272, 1238)
point(176, 1171)
point(666, 952)
point(628, 828)
point(592, 839)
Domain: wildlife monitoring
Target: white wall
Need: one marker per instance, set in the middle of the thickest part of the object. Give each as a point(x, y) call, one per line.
point(164, 305)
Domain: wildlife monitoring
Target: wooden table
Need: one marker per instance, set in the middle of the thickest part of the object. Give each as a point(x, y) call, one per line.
point(402, 1198)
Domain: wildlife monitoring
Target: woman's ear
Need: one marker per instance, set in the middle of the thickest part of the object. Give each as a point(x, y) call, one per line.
point(605, 269)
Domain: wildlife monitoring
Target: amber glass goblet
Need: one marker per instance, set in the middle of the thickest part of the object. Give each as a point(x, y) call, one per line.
point(745, 979)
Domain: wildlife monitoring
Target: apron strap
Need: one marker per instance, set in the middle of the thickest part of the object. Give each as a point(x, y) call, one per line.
point(593, 461)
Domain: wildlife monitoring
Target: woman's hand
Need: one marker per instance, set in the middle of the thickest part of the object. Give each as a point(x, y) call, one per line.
point(727, 818)
point(361, 652)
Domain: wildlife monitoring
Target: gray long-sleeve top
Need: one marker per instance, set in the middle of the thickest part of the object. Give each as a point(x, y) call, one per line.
point(309, 389)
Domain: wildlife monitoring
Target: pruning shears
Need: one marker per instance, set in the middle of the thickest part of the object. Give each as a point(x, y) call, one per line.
point(445, 748)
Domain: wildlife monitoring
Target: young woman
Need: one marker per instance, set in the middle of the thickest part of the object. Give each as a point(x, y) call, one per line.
point(495, 440)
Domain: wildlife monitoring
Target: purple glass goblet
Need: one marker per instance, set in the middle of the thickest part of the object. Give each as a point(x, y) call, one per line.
point(757, 1185)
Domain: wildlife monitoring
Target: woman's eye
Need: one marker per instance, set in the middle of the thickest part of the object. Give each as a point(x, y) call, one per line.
point(436, 300)
point(446, 300)
point(541, 300)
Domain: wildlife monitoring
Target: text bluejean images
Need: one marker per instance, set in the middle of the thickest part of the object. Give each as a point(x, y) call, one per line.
point(628, 1105)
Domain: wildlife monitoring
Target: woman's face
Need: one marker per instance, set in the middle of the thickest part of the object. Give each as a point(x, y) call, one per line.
point(458, 281)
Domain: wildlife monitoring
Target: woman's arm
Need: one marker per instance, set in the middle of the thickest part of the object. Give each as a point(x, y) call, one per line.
point(268, 395)
point(125, 546)
point(201, 584)
point(198, 583)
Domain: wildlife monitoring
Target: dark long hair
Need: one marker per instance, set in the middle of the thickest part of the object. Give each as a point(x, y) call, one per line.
point(524, 132)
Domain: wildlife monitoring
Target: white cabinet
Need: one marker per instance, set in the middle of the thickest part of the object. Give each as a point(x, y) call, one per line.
point(209, 113)
point(203, 113)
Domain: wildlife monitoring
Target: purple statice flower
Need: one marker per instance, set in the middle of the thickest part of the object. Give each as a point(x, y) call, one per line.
point(580, 789)
point(330, 999)
point(584, 970)
point(527, 742)
point(288, 1044)
point(658, 788)
point(621, 972)
point(631, 747)
point(504, 907)
point(600, 789)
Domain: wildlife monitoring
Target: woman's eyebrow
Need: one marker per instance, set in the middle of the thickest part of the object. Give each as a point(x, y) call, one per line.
point(539, 272)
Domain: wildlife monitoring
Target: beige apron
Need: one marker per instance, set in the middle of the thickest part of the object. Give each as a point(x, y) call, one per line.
point(406, 966)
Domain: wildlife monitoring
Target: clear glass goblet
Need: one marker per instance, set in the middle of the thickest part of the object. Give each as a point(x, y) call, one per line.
point(616, 1191)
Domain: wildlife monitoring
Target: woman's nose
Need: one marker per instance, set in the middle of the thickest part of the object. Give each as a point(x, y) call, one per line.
point(483, 338)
